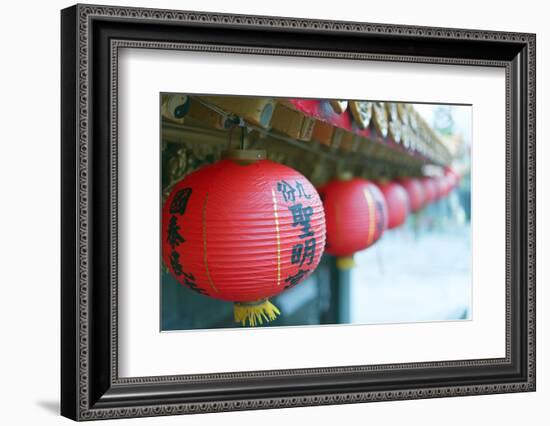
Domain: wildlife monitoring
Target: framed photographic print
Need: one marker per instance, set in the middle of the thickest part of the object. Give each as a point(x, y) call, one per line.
point(264, 212)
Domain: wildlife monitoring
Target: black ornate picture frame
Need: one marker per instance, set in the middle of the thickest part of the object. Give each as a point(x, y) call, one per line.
point(91, 387)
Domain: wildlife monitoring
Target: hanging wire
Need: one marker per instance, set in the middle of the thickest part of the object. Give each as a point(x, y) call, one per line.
point(229, 138)
point(242, 137)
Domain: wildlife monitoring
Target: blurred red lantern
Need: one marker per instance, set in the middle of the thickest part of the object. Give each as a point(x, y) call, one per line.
point(441, 187)
point(243, 231)
point(430, 189)
point(452, 182)
point(356, 216)
point(415, 191)
point(447, 185)
point(397, 201)
point(452, 176)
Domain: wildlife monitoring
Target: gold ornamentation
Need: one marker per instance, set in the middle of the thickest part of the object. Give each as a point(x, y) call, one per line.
point(392, 111)
point(362, 113)
point(338, 106)
point(381, 118)
point(406, 135)
point(395, 131)
point(395, 126)
point(177, 166)
point(403, 114)
point(413, 120)
point(169, 107)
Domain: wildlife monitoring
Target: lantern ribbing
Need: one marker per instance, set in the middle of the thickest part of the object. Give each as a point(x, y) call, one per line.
point(243, 232)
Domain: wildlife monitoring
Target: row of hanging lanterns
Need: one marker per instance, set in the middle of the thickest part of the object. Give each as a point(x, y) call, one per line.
point(245, 228)
point(359, 211)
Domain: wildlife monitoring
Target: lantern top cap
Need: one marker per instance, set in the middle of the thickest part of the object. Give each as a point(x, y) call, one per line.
point(345, 175)
point(245, 156)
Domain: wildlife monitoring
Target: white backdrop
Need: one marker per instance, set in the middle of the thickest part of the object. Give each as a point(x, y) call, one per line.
point(146, 352)
point(29, 225)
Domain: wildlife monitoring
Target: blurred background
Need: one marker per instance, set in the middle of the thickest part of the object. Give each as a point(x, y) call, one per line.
point(422, 270)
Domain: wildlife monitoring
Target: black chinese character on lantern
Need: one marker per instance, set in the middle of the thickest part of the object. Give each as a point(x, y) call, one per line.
point(175, 263)
point(301, 216)
point(301, 191)
point(292, 280)
point(290, 193)
point(302, 252)
point(174, 238)
point(309, 251)
point(189, 281)
point(179, 202)
point(287, 190)
point(296, 255)
point(188, 278)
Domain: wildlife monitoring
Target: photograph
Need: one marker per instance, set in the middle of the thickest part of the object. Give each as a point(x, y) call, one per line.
point(266, 211)
point(281, 212)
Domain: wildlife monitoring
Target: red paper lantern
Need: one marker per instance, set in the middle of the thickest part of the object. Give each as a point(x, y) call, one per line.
point(243, 232)
point(415, 191)
point(356, 216)
point(440, 186)
point(445, 184)
point(450, 183)
point(430, 189)
point(452, 176)
point(397, 201)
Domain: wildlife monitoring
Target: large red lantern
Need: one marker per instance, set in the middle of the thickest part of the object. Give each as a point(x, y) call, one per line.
point(243, 231)
point(356, 216)
point(415, 191)
point(397, 201)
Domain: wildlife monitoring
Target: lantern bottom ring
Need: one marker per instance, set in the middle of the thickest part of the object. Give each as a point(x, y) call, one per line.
point(345, 262)
point(255, 313)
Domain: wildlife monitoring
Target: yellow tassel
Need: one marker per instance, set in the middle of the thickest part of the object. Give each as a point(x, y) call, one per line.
point(255, 312)
point(345, 262)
